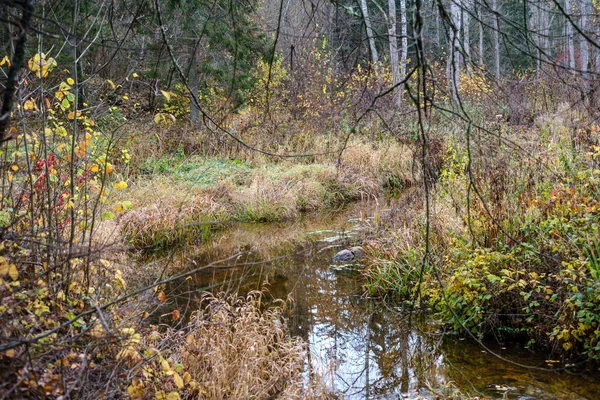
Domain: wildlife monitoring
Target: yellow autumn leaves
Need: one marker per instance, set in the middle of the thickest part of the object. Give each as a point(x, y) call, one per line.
point(40, 65)
point(165, 368)
point(81, 148)
point(120, 185)
point(9, 269)
point(29, 105)
point(5, 61)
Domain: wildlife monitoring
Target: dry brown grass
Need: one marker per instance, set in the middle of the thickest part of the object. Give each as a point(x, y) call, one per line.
point(387, 165)
point(232, 349)
point(237, 351)
point(166, 206)
point(266, 199)
point(161, 225)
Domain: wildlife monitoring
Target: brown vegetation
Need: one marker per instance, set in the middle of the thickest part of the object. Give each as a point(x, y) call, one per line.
point(232, 348)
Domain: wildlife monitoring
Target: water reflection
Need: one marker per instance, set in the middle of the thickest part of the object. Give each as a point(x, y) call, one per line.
point(364, 350)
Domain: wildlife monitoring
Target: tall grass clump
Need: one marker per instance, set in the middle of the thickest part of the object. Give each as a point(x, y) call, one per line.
point(267, 199)
point(160, 226)
point(233, 348)
point(394, 266)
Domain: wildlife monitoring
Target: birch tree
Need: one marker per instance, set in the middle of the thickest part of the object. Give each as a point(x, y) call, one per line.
point(393, 41)
point(496, 36)
point(545, 30)
point(454, 58)
point(569, 34)
point(193, 88)
point(584, 45)
point(404, 47)
point(585, 48)
point(533, 30)
point(369, 28)
point(467, 34)
point(481, 35)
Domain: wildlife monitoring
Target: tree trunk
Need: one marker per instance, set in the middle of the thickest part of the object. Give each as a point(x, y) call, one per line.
point(584, 47)
point(454, 59)
point(569, 34)
point(597, 60)
point(17, 62)
point(393, 41)
point(495, 11)
point(481, 36)
point(467, 35)
point(533, 31)
point(193, 83)
point(370, 37)
point(404, 46)
point(546, 31)
point(586, 11)
point(437, 26)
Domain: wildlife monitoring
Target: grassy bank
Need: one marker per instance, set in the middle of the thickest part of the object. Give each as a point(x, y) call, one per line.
point(514, 239)
point(177, 198)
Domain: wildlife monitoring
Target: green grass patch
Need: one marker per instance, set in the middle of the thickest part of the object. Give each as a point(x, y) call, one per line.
point(198, 171)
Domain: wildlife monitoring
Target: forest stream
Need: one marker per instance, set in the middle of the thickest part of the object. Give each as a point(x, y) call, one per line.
point(361, 347)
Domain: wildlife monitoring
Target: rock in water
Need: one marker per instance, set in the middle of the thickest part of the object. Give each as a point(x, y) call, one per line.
point(343, 256)
point(349, 254)
point(357, 251)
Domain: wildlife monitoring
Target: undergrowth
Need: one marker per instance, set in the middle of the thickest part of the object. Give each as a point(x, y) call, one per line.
point(517, 252)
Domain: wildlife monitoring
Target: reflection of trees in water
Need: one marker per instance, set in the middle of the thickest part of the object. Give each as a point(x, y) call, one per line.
point(407, 360)
point(365, 350)
point(370, 352)
point(472, 368)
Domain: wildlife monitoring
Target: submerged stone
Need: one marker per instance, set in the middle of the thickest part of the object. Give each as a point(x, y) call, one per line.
point(351, 254)
point(357, 251)
point(343, 256)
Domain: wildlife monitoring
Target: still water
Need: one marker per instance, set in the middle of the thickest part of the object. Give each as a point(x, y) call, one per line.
point(362, 348)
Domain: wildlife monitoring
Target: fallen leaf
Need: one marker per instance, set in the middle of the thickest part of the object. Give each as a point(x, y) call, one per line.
point(173, 396)
point(13, 272)
point(178, 381)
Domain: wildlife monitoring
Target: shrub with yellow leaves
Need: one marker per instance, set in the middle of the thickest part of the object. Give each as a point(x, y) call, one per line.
point(54, 286)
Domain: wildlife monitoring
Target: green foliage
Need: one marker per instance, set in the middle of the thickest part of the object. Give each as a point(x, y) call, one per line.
point(543, 282)
point(476, 286)
point(232, 41)
point(203, 172)
point(398, 278)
